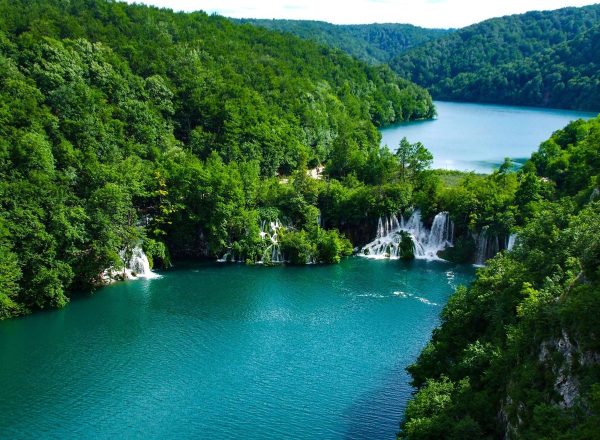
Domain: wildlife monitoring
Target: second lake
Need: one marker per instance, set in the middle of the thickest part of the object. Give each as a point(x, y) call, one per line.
point(477, 137)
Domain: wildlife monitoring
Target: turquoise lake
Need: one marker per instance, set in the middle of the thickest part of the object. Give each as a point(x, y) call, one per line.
point(226, 351)
point(477, 137)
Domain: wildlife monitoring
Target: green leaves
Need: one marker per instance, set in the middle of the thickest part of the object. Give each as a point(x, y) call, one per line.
point(528, 322)
point(541, 59)
point(413, 160)
point(130, 124)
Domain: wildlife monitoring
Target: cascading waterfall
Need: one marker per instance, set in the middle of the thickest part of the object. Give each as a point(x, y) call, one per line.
point(136, 266)
point(269, 232)
point(488, 245)
point(427, 242)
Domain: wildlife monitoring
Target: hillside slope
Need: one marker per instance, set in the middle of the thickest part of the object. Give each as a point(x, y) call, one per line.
point(372, 43)
point(517, 354)
point(125, 126)
point(540, 59)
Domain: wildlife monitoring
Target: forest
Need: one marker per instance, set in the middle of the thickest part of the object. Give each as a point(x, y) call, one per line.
point(125, 125)
point(372, 43)
point(544, 59)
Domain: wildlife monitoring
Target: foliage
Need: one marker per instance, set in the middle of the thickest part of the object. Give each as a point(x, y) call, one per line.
point(331, 246)
point(297, 247)
point(413, 159)
point(372, 43)
point(122, 124)
point(545, 58)
point(507, 345)
point(407, 246)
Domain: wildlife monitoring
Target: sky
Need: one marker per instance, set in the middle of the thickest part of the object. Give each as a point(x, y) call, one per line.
point(426, 13)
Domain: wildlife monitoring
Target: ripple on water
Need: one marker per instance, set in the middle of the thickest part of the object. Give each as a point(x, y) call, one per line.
point(213, 351)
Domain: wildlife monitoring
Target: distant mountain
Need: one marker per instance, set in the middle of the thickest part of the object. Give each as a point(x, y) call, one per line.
point(540, 58)
point(373, 43)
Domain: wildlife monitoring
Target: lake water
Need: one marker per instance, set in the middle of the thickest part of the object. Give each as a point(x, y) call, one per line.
point(477, 137)
point(226, 351)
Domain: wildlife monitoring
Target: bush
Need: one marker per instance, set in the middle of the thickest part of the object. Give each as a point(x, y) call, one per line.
point(407, 246)
point(331, 246)
point(297, 247)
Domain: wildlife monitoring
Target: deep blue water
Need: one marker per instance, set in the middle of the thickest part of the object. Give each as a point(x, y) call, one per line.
point(226, 351)
point(477, 137)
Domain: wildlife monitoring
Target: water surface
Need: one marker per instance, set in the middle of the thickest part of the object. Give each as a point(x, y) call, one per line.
point(226, 351)
point(477, 137)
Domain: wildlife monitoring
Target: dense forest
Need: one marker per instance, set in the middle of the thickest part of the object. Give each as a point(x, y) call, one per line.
point(372, 43)
point(549, 59)
point(126, 126)
point(516, 354)
point(544, 59)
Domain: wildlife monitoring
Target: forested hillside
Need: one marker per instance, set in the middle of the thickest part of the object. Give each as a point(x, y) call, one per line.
point(517, 354)
point(125, 126)
point(372, 43)
point(540, 59)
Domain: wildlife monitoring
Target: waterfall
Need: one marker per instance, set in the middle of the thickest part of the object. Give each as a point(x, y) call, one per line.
point(269, 232)
point(138, 265)
point(134, 267)
point(487, 246)
point(427, 242)
point(229, 257)
point(482, 244)
point(510, 243)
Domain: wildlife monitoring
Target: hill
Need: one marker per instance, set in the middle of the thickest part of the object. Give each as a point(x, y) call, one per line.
point(549, 59)
point(517, 353)
point(372, 43)
point(125, 126)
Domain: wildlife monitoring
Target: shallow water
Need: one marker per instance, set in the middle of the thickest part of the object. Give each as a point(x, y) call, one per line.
point(477, 137)
point(226, 351)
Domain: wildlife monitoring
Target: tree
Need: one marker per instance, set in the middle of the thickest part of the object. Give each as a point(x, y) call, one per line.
point(413, 160)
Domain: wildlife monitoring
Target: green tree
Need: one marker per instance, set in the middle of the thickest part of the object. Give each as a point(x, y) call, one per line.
point(413, 160)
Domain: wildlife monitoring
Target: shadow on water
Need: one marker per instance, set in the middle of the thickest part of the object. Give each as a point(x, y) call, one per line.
point(377, 413)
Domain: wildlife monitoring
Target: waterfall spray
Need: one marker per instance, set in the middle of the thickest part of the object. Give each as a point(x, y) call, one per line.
point(270, 232)
point(135, 266)
point(428, 243)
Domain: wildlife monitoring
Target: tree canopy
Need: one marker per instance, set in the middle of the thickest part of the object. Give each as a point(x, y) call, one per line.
point(126, 125)
point(548, 59)
point(516, 354)
point(372, 43)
